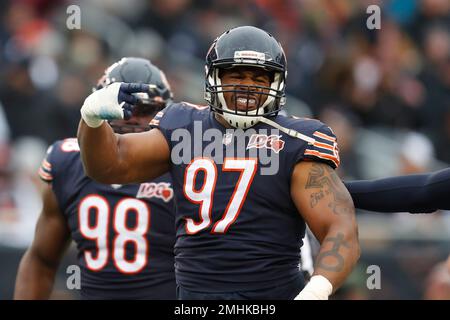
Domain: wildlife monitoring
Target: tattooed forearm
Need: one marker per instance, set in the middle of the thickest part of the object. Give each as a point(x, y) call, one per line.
point(324, 178)
point(332, 260)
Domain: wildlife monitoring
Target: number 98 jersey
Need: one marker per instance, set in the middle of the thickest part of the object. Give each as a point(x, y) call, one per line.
point(124, 233)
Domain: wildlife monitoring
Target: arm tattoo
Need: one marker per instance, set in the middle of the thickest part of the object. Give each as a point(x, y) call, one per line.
point(326, 180)
point(339, 262)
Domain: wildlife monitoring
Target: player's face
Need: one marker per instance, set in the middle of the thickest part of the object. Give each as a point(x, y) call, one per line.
point(248, 81)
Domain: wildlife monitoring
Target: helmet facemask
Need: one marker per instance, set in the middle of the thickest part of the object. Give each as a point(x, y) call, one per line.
point(270, 99)
point(247, 47)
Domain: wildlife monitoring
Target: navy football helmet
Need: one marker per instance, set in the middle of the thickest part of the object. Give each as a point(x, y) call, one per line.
point(138, 70)
point(251, 47)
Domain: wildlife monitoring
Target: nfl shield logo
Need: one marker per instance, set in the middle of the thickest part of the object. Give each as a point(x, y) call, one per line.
point(227, 137)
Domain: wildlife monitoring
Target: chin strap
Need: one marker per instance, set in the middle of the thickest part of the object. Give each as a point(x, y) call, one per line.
point(291, 132)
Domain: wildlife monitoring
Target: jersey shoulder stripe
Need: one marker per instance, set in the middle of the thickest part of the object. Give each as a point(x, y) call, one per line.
point(176, 116)
point(45, 175)
point(324, 136)
point(57, 157)
point(324, 147)
point(316, 154)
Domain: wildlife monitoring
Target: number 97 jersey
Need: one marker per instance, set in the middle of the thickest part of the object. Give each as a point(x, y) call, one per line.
point(237, 226)
point(124, 233)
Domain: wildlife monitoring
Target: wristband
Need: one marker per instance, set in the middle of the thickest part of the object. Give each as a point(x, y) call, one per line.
point(318, 288)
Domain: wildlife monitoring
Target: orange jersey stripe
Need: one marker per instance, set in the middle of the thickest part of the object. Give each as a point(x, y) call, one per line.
point(323, 146)
point(324, 136)
point(45, 175)
point(323, 156)
point(46, 165)
point(321, 153)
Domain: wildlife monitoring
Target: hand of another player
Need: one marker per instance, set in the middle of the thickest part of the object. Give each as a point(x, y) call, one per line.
point(114, 101)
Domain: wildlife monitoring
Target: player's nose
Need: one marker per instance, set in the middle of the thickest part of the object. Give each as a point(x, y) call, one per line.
point(246, 83)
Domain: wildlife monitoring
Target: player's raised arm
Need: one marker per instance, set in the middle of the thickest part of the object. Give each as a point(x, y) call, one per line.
point(419, 193)
point(113, 158)
point(327, 208)
point(40, 262)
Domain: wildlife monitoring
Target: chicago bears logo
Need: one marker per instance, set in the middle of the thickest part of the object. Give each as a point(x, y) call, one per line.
point(161, 190)
point(264, 141)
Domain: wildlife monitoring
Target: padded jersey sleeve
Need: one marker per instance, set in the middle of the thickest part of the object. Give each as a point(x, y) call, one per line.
point(167, 120)
point(324, 147)
point(175, 116)
point(56, 160)
point(46, 170)
point(156, 122)
point(59, 168)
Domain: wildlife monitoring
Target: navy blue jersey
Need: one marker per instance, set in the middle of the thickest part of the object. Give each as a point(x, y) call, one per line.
point(237, 226)
point(124, 233)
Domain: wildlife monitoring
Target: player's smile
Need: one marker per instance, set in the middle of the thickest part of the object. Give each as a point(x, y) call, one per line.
point(244, 102)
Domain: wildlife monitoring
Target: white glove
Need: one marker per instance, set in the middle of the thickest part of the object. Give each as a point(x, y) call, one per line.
point(318, 288)
point(114, 101)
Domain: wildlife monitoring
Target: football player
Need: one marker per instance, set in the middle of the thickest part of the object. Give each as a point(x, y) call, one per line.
point(238, 227)
point(124, 233)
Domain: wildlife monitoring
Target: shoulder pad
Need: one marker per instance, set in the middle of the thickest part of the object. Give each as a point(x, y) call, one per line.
point(323, 148)
point(177, 115)
point(57, 156)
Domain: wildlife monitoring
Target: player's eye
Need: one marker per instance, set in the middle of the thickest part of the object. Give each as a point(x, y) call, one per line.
point(261, 80)
point(235, 76)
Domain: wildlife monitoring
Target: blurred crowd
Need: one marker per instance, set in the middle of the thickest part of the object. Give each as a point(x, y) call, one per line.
point(385, 93)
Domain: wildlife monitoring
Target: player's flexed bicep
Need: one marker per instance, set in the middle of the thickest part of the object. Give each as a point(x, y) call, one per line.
point(111, 158)
point(326, 206)
point(131, 158)
point(145, 156)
